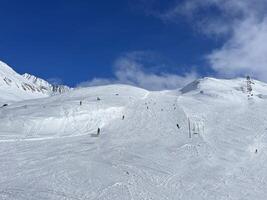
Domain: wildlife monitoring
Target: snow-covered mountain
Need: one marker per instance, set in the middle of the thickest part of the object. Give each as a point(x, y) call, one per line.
point(46, 86)
point(16, 87)
point(207, 140)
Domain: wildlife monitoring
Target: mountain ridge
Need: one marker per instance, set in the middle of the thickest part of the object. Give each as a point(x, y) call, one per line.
point(16, 87)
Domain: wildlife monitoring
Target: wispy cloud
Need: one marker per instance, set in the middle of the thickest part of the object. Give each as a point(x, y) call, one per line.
point(242, 25)
point(55, 81)
point(132, 69)
point(244, 52)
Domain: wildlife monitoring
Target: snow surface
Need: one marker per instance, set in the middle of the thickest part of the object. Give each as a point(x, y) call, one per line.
point(49, 148)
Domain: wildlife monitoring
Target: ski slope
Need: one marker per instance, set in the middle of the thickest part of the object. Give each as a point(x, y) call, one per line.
point(145, 150)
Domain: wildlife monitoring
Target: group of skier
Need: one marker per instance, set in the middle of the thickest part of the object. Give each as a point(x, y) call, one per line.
point(123, 117)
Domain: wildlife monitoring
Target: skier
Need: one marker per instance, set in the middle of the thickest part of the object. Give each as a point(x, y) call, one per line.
point(98, 132)
point(5, 105)
point(256, 151)
point(81, 103)
point(178, 126)
point(98, 99)
point(123, 117)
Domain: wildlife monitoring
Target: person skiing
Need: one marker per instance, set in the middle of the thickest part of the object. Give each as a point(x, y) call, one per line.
point(123, 117)
point(81, 103)
point(5, 105)
point(98, 132)
point(178, 126)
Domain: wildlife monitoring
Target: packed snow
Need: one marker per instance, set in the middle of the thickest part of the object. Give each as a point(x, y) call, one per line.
point(205, 141)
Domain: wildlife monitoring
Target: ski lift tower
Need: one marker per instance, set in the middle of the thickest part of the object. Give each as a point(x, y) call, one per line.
point(249, 87)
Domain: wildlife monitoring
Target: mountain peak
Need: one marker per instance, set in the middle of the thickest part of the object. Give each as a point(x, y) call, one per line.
point(6, 69)
point(225, 88)
point(36, 80)
point(43, 84)
point(15, 87)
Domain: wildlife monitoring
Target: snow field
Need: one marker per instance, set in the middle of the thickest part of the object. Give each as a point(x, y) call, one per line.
point(47, 152)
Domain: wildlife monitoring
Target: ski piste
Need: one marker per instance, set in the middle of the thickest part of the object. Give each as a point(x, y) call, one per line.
point(218, 152)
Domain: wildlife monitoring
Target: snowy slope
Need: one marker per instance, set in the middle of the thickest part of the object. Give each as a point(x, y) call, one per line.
point(49, 148)
point(16, 87)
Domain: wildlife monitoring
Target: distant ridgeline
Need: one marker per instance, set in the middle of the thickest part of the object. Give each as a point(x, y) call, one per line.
point(15, 87)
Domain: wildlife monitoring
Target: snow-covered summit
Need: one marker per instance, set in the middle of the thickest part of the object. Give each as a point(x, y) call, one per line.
point(16, 87)
point(6, 70)
point(46, 86)
point(224, 88)
point(37, 81)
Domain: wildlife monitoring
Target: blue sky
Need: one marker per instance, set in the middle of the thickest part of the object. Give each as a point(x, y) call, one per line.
point(94, 42)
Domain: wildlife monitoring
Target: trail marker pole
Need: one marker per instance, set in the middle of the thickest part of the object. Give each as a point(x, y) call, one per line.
point(189, 128)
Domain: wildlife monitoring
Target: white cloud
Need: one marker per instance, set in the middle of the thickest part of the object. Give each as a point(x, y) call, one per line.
point(97, 81)
point(243, 25)
point(244, 53)
point(130, 69)
point(55, 81)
